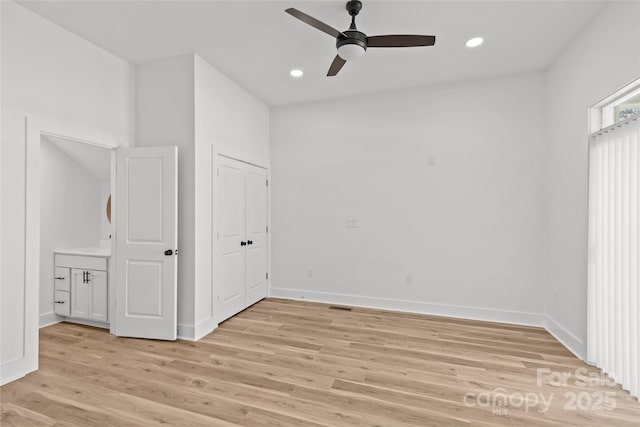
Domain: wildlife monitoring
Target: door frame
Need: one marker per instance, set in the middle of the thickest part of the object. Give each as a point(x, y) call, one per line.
point(215, 154)
point(34, 129)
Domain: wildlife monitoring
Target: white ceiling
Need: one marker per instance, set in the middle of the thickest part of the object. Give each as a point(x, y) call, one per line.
point(256, 43)
point(95, 160)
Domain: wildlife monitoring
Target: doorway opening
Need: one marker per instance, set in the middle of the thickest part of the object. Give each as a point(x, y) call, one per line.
point(76, 230)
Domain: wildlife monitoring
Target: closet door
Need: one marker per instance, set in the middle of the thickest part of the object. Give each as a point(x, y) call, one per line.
point(240, 233)
point(255, 234)
point(229, 274)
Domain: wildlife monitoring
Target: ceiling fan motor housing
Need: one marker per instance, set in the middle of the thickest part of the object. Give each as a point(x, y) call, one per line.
point(353, 37)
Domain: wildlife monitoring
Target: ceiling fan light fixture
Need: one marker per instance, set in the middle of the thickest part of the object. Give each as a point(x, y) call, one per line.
point(351, 52)
point(475, 42)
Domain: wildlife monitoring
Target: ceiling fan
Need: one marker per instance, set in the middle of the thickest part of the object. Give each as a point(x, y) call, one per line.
point(352, 43)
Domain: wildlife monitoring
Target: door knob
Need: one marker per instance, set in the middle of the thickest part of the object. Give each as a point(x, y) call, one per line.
point(168, 252)
point(242, 244)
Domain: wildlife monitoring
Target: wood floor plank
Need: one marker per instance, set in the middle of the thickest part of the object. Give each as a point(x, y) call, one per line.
point(297, 363)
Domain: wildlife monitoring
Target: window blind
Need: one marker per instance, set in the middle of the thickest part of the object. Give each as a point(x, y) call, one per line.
point(613, 329)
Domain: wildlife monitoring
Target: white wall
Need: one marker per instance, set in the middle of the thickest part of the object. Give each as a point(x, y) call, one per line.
point(62, 84)
point(468, 229)
point(71, 212)
point(230, 121)
point(604, 57)
point(184, 101)
point(165, 117)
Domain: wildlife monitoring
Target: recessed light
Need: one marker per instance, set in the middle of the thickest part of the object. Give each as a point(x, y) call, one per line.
point(296, 73)
point(475, 42)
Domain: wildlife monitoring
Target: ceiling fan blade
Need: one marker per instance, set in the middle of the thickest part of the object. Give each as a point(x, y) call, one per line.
point(400, 40)
point(336, 66)
point(314, 22)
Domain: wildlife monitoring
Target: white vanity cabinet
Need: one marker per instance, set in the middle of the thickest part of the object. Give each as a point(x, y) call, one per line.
point(89, 294)
point(81, 285)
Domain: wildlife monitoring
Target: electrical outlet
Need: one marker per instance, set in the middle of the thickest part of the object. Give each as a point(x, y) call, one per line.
point(310, 273)
point(408, 279)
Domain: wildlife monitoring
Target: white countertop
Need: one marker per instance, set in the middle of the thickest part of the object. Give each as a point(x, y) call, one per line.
point(89, 251)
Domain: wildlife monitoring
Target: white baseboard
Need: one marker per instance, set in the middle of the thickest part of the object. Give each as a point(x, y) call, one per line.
point(14, 370)
point(205, 328)
point(463, 312)
point(194, 333)
point(51, 318)
point(87, 322)
point(186, 332)
point(574, 344)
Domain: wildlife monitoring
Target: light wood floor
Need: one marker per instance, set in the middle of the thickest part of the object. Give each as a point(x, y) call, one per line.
point(285, 363)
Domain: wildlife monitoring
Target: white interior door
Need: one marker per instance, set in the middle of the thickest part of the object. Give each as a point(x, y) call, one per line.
point(230, 233)
point(146, 242)
point(255, 234)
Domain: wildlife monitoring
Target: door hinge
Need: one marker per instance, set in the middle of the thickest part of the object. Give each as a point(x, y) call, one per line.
point(218, 235)
point(267, 183)
point(218, 172)
point(267, 228)
point(267, 276)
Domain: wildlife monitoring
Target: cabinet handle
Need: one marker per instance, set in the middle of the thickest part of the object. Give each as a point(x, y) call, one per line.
point(59, 278)
point(59, 302)
point(168, 252)
point(249, 242)
point(243, 244)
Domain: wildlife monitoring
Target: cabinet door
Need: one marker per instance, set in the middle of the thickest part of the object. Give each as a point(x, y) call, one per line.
point(98, 295)
point(79, 294)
